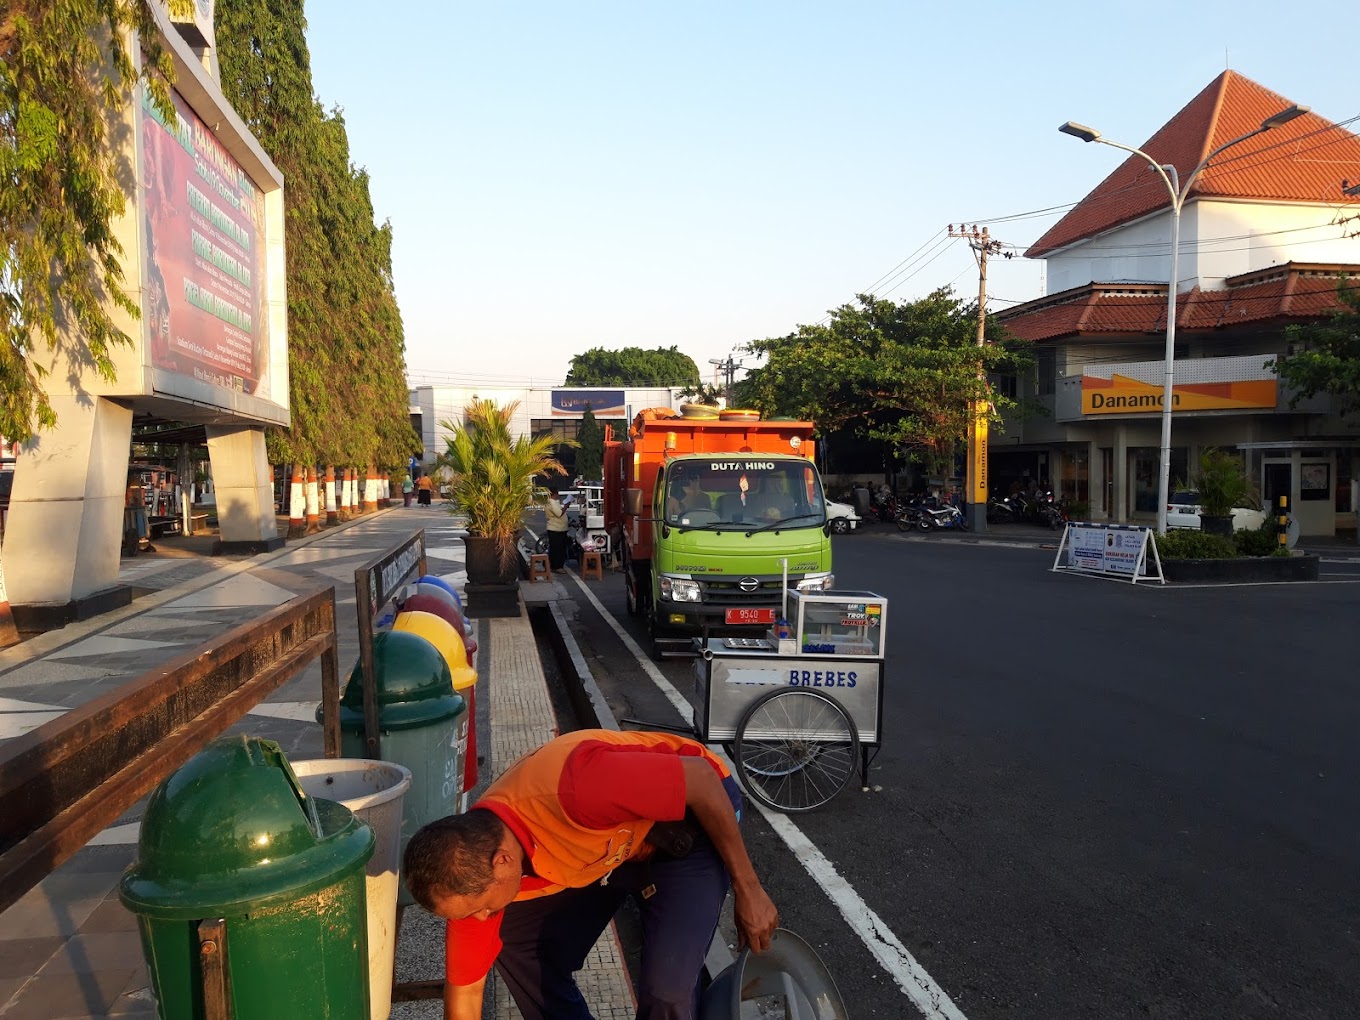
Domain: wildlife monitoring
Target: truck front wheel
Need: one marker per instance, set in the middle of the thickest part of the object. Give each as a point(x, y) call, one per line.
point(637, 586)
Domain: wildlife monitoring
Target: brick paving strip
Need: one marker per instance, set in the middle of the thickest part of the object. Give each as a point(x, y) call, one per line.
point(522, 719)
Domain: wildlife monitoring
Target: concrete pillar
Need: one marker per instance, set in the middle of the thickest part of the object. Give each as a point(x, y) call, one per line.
point(1119, 512)
point(332, 507)
point(64, 533)
point(244, 485)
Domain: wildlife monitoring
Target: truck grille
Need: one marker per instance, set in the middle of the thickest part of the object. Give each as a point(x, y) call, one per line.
point(728, 591)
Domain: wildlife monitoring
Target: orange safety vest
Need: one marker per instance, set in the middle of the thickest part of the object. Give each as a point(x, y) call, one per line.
point(564, 854)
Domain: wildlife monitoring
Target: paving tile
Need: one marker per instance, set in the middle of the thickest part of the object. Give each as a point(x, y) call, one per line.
point(38, 918)
point(103, 646)
point(110, 917)
point(44, 676)
point(241, 590)
point(62, 995)
point(96, 952)
point(22, 958)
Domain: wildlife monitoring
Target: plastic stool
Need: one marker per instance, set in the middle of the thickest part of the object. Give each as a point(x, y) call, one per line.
point(539, 568)
point(592, 564)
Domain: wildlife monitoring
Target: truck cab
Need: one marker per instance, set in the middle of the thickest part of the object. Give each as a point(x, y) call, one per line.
point(712, 520)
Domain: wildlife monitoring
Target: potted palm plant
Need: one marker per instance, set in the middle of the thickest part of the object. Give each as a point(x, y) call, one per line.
point(492, 481)
point(1222, 484)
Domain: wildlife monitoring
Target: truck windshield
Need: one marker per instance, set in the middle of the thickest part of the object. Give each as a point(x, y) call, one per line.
point(737, 494)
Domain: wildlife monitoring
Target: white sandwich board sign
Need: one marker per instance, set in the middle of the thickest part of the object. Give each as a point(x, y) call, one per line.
point(1122, 551)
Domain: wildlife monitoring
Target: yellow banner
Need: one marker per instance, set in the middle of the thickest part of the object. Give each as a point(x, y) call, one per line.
point(977, 456)
point(1122, 395)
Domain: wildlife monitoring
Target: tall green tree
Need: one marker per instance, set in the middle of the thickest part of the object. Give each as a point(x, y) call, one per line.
point(590, 456)
point(1325, 355)
point(65, 76)
point(903, 374)
point(633, 366)
point(346, 340)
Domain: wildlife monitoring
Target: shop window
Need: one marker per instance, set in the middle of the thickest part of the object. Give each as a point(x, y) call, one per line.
point(1046, 372)
point(1074, 474)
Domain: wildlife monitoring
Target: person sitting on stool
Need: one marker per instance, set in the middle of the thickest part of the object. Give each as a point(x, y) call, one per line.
point(531, 876)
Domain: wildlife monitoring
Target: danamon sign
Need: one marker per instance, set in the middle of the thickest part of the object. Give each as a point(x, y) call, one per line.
point(1123, 395)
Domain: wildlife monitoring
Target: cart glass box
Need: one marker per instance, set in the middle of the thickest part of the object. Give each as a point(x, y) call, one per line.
point(839, 623)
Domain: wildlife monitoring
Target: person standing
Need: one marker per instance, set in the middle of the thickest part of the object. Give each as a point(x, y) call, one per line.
point(530, 876)
point(424, 488)
point(556, 512)
point(407, 489)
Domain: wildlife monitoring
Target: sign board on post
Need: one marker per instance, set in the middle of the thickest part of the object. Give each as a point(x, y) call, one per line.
point(374, 585)
point(1109, 550)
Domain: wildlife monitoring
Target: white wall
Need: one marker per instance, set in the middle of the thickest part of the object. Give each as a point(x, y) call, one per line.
point(446, 403)
point(1218, 239)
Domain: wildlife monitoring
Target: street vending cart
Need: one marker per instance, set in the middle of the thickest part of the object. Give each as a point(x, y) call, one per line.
point(799, 709)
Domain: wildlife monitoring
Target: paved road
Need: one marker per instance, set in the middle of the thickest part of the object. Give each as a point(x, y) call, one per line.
point(1096, 800)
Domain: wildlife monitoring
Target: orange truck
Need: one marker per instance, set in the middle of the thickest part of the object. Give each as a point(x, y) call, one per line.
point(712, 517)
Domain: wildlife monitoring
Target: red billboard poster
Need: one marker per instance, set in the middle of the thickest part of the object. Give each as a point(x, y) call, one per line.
point(203, 293)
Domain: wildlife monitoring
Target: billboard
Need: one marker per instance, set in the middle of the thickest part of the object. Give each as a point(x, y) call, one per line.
point(1123, 395)
point(603, 403)
point(203, 285)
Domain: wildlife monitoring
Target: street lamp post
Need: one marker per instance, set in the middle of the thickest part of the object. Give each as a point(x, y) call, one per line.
point(1178, 193)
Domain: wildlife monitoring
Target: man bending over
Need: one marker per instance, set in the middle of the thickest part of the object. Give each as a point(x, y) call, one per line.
point(530, 877)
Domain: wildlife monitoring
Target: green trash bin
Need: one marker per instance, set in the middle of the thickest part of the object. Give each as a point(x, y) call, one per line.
point(249, 895)
point(423, 726)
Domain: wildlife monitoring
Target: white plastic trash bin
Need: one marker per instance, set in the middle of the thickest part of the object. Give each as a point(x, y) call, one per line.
point(373, 790)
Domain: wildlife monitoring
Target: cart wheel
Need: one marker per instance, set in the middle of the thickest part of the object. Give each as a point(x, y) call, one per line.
point(795, 749)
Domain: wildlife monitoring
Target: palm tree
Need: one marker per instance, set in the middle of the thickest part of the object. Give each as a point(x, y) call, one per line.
point(493, 474)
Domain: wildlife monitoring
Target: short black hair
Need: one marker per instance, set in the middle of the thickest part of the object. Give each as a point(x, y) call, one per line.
point(452, 856)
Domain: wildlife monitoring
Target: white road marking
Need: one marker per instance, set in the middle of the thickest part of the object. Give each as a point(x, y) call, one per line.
point(878, 938)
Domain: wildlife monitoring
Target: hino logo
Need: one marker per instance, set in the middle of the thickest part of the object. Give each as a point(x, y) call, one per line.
point(748, 584)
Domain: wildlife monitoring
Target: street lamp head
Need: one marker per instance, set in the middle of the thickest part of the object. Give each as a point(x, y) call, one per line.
point(716, 361)
point(1080, 131)
point(1283, 117)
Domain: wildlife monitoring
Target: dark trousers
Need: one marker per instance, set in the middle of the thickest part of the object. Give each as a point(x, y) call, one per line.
point(557, 551)
point(423, 497)
point(546, 940)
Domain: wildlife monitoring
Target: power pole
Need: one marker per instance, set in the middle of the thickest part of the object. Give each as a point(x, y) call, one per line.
point(729, 370)
point(982, 245)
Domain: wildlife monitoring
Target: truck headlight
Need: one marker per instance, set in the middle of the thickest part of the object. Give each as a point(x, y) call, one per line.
point(680, 589)
point(817, 582)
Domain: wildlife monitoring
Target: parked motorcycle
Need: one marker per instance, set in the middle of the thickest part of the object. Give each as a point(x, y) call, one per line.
point(945, 517)
point(1000, 510)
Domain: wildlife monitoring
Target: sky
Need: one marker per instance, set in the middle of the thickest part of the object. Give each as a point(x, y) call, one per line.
point(566, 176)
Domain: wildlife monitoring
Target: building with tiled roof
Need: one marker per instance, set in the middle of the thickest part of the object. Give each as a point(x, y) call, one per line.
point(1267, 236)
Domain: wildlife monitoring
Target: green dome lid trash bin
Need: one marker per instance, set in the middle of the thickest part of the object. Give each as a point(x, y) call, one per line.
point(231, 836)
point(423, 725)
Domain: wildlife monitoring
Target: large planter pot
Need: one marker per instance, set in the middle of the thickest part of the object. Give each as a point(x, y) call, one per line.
point(1215, 525)
point(1243, 569)
point(484, 564)
point(492, 587)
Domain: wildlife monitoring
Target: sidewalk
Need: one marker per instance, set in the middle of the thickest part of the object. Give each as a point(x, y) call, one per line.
point(68, 949)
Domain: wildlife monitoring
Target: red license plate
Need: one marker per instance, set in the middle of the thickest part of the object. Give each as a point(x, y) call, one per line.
point(754, 616)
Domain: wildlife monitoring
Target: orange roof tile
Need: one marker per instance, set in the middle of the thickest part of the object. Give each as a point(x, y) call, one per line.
point(1304, 160)
point(1283, 294)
